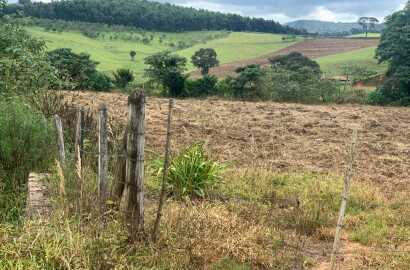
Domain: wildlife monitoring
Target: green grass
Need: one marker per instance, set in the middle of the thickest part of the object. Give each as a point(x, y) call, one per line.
point(113, 54)
point(239, 46)
point(332, 64)
point(370, 35)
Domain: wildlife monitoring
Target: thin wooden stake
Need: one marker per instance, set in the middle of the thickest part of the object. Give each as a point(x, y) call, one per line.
point(60, 140)
point(78, 144)
point(164, 173)
point(102, 154)
point(348, 175)
point(135, 161)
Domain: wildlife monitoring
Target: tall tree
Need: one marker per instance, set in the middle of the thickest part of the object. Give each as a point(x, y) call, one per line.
point(166, 69)
point(133, 54)
point(367, 23)
point(205, 59)
point(394, 48)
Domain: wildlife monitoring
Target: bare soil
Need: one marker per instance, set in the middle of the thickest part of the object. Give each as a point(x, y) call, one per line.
point(280, 137)
point(310, 48)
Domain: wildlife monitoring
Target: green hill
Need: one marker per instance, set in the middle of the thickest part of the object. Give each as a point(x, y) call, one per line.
point(332, 28)
point(332, 64)
point(113, 53)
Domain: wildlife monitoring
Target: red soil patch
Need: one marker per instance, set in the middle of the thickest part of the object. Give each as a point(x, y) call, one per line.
point(310, 48)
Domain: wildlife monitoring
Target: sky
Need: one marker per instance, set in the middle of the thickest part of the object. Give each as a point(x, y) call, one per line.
point(284, 11)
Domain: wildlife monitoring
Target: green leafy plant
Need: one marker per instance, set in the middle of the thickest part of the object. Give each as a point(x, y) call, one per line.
point(192, 172)
point(123, 77)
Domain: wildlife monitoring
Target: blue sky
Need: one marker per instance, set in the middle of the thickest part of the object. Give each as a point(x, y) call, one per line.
point(290, 10)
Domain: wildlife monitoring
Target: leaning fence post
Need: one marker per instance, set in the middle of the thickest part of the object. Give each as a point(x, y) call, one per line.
point(348, 175)
point(102, 153)
point(135, 160)
point(78, 144)
point(60, 139)
point(164, 173)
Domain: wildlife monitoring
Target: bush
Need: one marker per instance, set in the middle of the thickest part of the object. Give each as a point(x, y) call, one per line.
point(192, 172)
point(100, 82)
point(26, 137)
point(25, 143)
point(205, 86)
point(123, 77)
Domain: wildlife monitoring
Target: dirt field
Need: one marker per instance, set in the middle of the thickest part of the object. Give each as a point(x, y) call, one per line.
point(281, 137)
point(310, 48)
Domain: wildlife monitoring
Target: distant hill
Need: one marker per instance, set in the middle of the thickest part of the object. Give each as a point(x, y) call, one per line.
point(332, 28)
point(148, 15)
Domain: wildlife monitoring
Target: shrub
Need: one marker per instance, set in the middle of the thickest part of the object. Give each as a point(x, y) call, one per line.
point(25, 142)
point(25, 137)
point(100, 82)
point(205, 86)
point(123, 77)
point(192, 172)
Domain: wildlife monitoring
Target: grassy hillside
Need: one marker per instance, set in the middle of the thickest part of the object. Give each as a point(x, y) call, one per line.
point(114, 53)
point(363, 57)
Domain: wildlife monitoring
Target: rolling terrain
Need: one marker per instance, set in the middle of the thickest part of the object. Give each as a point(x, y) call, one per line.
point(328, 52)
point(234, 49)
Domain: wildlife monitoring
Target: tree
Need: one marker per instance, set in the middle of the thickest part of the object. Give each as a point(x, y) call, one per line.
point(245, 86)
point(295, 61)
point(24, 2)
point(394, 48)
point(166, 69)
point(205, 59)
point(123, 77)
point(23, 67)
point(77, 71)
point(367, 23)
point(133, 54)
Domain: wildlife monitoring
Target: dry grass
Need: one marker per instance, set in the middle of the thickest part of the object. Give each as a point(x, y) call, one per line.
point(282, 137)
point(285, 148)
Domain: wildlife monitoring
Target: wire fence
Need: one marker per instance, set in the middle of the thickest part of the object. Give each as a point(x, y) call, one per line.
point(224, 197)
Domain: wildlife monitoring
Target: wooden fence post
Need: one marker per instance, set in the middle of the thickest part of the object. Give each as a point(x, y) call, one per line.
point(164, 173)
point(78, 144)
point(119, 181)
point(102, 154)
point(135, 160)
point(348, 175)
point(60, 140)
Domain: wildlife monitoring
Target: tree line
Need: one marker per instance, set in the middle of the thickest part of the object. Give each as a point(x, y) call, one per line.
point(148, 15)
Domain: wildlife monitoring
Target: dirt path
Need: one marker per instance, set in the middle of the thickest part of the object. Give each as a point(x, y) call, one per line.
point(311, 48)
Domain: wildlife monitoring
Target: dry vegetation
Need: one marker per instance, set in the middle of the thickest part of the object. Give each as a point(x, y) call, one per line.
point(282, 137)
point(285, 148)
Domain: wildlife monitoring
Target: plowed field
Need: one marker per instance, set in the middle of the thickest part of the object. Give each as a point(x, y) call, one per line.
point(281, 137)
point(310, 48)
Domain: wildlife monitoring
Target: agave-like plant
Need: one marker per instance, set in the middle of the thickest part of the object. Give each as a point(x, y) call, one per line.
point(192, 172)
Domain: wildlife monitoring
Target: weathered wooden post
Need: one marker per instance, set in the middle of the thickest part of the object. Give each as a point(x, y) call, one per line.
point(60, 140)
point(135, 160)
point(119, 181)
point(78, 144)
point(348, 175)
point(164, 173)
point(102, 154)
